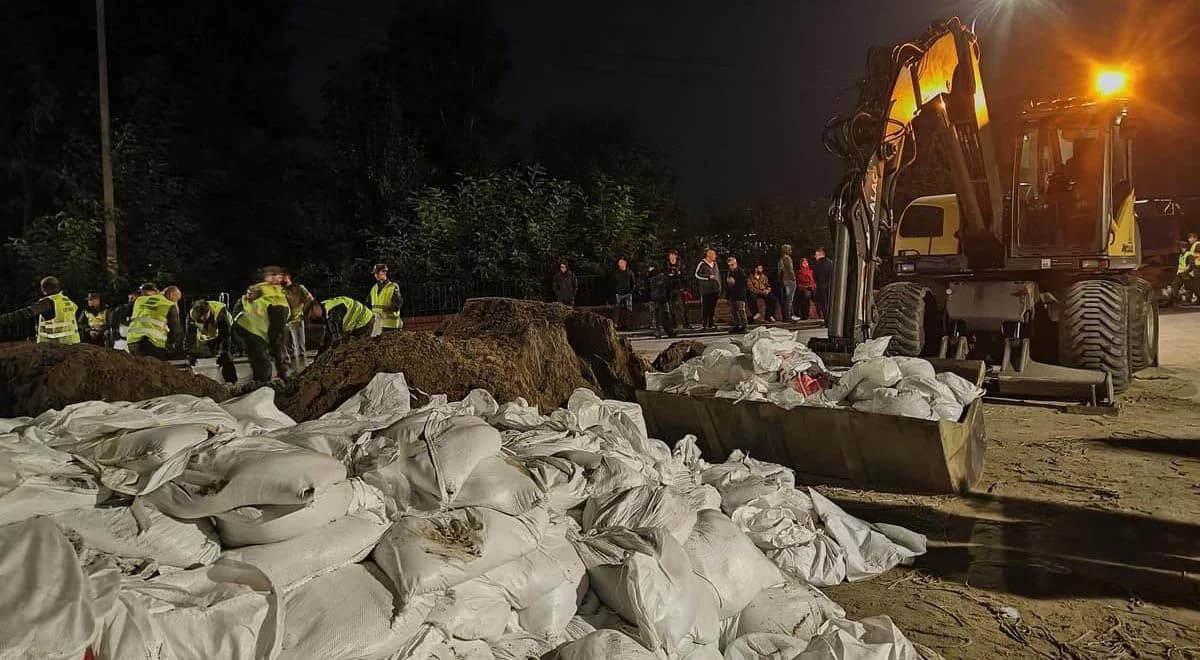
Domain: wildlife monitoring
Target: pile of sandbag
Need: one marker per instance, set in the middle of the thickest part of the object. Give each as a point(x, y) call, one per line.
point(180, 528)
point(770, 364)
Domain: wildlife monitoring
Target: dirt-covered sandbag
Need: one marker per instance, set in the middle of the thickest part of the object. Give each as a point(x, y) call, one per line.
point(425, 555)
point(729, 562)
point(642, 506)
point(472, 610)
point(795, 609)
point(273, 523)
point(605, 645)
point(145, 534)
point(502, 483)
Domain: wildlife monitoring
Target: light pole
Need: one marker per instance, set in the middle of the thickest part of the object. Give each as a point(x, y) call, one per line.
point(110, 219)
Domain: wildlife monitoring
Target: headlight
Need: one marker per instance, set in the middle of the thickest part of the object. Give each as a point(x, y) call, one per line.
point(906, 268)
point(1093, 264)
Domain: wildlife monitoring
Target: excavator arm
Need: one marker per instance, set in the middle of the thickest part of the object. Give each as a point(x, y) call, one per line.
point(937, 73)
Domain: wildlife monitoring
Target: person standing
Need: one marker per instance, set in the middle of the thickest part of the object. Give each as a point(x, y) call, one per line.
point(344, 318)
point(270, 291)
point(118, 329)
point(806, 287)
point(252, 325)
point(623, 286)
point(299, 300)
point(735, 293)
point(212, 325)
point(760, 290)
point(565, 285)
point(786, 276)
point(55, 314)
point(93, 321)
point(660, 303)
point(677, 281)
point(154, 327)
point(708, 282)
point(823, 276)
point(386, 300)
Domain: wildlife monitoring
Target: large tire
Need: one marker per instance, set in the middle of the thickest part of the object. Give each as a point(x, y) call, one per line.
point(1143, 324)
point(907, 312)
point(1093, 329)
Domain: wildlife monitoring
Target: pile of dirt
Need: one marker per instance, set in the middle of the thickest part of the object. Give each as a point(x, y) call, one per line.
point(39, 377)
point(676, 354)
point(512, 348)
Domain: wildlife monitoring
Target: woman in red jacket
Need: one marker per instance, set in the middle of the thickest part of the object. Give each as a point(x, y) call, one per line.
point(806, 286)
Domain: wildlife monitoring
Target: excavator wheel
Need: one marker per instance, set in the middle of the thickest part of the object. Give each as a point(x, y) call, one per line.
point(907, 312)
point(1143, 324)
point(1093, 329)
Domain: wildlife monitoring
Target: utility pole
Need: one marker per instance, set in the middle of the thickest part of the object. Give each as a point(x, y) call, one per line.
point(110, 214)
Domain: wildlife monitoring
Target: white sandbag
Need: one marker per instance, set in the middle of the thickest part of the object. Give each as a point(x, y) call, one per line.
point(645, 576)
point(293, 562)
point(139, 462)
point(552, 563)
point(348, 614)
point(762, 332)
point(88, 420)
point(501, 483)
point(605, 645)
point(549, 616)
point(765, 646)
point(146, 534)
point(670, 381)
point(562, 480)
point(425, 555)
point(521, 646)
point(729, 562)
point(48, 606)
point(471, 610)
point(741, 479)
point(7, 424)
point(964, 390)
point(780, 519)
point(333, 436)
point(871, 348)
point(247, 472)
point(385, 398)
point(517, 415)
point(870, 549)
point(914, 366)
point(947, 410)
point(257, 411)
point(874, 638)
point(613, 474)
point(927, 386)
point(709, 371)
point(889, 401)
point(795, 609)
point(872, 372)
point(591, 410)
point(820, 562)
point(642, 506)
point(547, 442)
point(435, 457)
point(254, 525)
point(38, 480)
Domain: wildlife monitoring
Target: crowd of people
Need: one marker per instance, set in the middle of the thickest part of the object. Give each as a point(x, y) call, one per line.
point(268, 321)
point(786, 292)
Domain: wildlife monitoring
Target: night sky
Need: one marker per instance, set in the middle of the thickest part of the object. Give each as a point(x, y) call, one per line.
point(736, 91)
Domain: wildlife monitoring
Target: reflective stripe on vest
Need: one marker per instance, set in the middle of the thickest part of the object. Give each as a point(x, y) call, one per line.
point(357, 314)
point(254, 318)
point(381, 303)
point(149, 319)
point(62, 327)
point(97, 320)
point(207, 331)
point(1192, 252)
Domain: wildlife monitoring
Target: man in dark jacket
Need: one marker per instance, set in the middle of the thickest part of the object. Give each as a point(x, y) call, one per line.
point(623, 285)
point(118, 321)
point(565, 285)
point(823, 275)
point(660, 302)
point(735, 293)
point(677, 281)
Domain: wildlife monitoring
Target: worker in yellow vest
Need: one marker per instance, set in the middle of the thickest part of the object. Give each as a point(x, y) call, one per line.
point(275, 302)
point(55, 314)
point(93, 321)
point(154, 327)
point(212, 325)
point(344, 318)
point(252, 325)
point(386, 300)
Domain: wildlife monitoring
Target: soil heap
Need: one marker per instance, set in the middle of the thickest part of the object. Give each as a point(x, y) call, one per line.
point(678, 353)
point(39, 377)
point(540, 351)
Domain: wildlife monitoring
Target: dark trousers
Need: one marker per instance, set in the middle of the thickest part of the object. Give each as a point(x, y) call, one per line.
point(663, 318)
point(804, 301)
point(738, 310)
point(823, 296)
point(708, 305)
point(769, 304)
point(143, 348)
point(276, 332)
point(257, 352)
point(224, 359)
point(679, 313)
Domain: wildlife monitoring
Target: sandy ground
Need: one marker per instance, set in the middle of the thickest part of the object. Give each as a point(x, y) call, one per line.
point(1082, 540)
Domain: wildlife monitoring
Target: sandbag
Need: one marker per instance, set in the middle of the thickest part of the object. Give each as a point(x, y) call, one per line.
point(549, 615)
point(139, 462)
point(764, 646)
point(332, 436)
point(741, 479)
point(642, 506)
point(38, 480)
point(615, 474)
point(501, 483)
point(875, 638)
point(472, 610)
point(781, 519)
point(89, 420)
point(590, 410)
point(386, 398)
point(870, 549)
point(521, 646)
point(348, 614)
point(871, 348)
point(435, 458)
point(252, 525)
point(147, 534)
point(710, 371)
point(911, 367)
point(873, 373)
point(425, 555)
point(888, 401)
point(729, 562)
point(820, 562)
point(605, 645)
point(964, 390)
point(562, 480)
point(257, 412)
point(795, 609)
point(293, 562)
point(552, 563)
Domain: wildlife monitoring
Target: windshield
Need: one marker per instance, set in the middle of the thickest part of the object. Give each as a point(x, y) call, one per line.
point(1060, 178)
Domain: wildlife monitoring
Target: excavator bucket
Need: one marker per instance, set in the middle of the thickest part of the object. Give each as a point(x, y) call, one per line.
point(834, 446)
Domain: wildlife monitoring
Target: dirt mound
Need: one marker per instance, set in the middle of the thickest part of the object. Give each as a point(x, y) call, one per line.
point(512, 348)
point(39, 377)
point(678, 353)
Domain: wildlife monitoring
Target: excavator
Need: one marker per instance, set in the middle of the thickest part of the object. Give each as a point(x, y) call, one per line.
point(1040, 282)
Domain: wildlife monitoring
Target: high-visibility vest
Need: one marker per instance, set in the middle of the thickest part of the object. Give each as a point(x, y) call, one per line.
point(96, 320)
point(149, 319)
point(357, 314)
point(254, 318)
point(62, 328)
point(273, 295)
point(1191, 253)
point(207, 331)
point(381, 304)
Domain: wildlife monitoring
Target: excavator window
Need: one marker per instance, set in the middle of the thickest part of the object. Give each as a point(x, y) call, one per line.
point(1059, 196)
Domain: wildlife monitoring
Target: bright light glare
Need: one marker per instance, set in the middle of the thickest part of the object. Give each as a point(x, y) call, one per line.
point(1111, 81)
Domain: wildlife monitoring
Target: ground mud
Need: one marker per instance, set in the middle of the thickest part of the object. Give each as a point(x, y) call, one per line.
point(39, 377)
point(676, 354)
